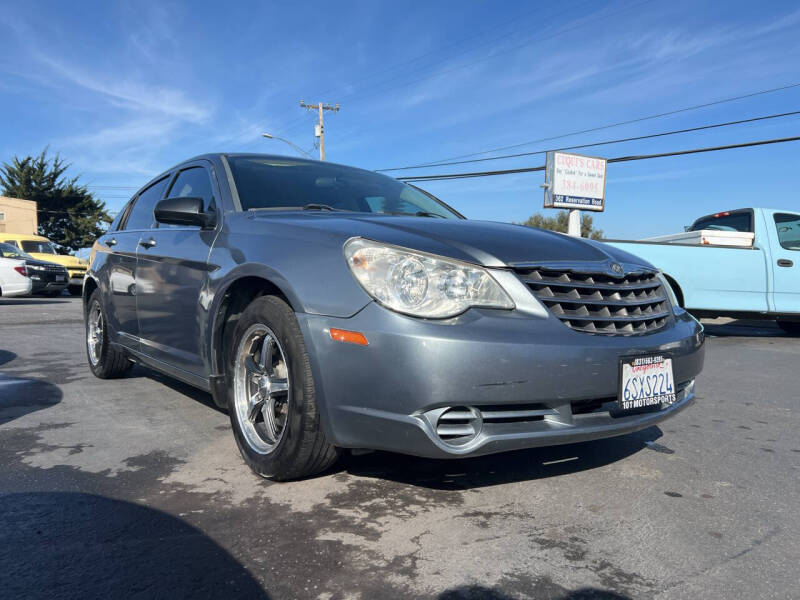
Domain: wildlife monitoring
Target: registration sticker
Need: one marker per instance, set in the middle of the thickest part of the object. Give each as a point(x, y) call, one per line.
point(646, 381)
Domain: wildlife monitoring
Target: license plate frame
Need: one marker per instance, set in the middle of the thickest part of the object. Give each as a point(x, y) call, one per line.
point(60, 278)
point(646, 383)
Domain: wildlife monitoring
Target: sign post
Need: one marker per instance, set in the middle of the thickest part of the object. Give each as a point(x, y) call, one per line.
point(576, 183)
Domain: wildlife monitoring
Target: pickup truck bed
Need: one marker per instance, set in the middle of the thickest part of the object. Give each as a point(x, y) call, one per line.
point(718, 280)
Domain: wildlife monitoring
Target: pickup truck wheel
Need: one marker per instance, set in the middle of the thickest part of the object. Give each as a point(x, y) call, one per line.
point(271, 399)
point(105, 361)
point(792, 327)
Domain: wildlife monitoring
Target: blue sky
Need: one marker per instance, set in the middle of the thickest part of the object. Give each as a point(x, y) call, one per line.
point(126, 89)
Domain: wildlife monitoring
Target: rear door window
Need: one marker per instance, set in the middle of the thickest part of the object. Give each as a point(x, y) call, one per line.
point(141, 215)
point(788, 230)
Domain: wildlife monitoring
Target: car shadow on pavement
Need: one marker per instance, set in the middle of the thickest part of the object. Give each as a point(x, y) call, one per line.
point(176, 385)
point(498, 469)
point(24, 301)
point(479, 592)
point(76, 545)
point(744, 328)
point(21, 396)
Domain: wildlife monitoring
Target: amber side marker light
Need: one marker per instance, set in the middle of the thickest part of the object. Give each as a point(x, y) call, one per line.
point(351, 337)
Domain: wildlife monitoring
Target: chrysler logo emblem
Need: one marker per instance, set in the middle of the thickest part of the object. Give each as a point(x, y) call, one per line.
point(616, 268)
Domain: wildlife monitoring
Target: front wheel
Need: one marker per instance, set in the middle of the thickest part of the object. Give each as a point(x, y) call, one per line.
point(791, 327)
point(271, 397)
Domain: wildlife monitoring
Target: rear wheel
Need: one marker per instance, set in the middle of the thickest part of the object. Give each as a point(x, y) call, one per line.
point(792, 327)
point(105, 361)
point(271, 399)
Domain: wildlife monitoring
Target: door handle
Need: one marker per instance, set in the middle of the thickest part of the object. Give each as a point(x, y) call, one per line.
point(147, 243)
point(111, 242)
point(784, 262)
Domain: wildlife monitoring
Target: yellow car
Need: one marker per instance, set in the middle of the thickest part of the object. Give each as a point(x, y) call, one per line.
point(43, 249)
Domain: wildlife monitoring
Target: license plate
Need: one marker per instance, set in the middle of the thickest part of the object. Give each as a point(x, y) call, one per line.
point(60, 278)
point(646, 381)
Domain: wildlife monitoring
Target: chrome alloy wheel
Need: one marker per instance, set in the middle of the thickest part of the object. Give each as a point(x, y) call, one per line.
point(94, 333)
point(261, 388)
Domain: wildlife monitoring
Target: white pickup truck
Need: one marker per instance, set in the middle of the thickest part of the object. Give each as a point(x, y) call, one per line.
point(752, 272)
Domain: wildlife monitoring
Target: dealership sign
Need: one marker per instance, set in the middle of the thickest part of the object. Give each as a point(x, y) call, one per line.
point(574, 181)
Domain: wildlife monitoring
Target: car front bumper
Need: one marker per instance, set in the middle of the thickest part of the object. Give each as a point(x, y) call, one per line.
point(76, 276)
point(46, 284)
point(388, 395)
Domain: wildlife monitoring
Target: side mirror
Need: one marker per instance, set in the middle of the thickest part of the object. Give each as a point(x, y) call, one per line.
point(183, 210)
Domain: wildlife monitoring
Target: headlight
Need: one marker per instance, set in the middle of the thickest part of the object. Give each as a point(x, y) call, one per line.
point(673, 299)
point(419, 284)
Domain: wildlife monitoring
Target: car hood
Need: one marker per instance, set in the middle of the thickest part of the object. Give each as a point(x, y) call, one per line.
point(487, 243)
point(59, 259)
point(35, 262)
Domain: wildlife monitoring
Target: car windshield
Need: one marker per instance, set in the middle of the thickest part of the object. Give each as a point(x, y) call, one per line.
point(38, 247)
point(9, 251)
point(265, 182)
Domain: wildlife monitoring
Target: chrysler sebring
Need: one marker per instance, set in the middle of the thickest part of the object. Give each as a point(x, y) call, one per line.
point(328, 307)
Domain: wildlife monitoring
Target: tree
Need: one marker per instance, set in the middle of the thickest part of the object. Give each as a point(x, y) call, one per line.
point(69, 214)
point(560, 222)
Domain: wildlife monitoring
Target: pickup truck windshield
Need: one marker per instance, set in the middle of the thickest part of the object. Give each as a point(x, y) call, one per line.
point(38, 247)
point(268, 182)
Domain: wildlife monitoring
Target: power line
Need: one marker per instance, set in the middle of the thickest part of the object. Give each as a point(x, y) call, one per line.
point(113, 187)
point(608, 142)
point(610, 160)
point(609, 126)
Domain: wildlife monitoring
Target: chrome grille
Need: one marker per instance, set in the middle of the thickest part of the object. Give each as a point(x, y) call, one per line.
point(599, 303)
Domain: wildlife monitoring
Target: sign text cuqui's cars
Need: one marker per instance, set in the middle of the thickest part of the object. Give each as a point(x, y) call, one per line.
point(328, 307)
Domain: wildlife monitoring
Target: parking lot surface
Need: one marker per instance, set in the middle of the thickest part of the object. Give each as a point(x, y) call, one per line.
point(134, 488)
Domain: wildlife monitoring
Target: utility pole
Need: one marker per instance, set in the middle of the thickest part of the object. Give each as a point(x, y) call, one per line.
point(319, 129)
point(574, 228)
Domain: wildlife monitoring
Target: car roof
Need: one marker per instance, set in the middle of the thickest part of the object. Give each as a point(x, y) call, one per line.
point(22, 236)
point(211, 156)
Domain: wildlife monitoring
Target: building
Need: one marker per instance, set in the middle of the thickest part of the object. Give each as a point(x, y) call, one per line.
point(18, 216)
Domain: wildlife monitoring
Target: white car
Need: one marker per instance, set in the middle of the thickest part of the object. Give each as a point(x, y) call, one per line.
point(14, 279)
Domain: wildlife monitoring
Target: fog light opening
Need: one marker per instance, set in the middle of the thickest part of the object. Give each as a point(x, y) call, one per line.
point(459, 425)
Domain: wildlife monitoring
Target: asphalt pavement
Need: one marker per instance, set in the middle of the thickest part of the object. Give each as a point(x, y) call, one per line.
point(134, 488)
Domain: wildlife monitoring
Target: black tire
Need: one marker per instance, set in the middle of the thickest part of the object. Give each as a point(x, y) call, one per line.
point(75, 290)
point(790, 327)
point(110, 362)
point(302, 449)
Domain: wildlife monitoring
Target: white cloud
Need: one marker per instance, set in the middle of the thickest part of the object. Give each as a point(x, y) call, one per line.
point(130, 94)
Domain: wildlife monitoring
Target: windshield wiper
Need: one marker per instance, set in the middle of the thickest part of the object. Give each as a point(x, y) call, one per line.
point(314, 206)
point(419, 213)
